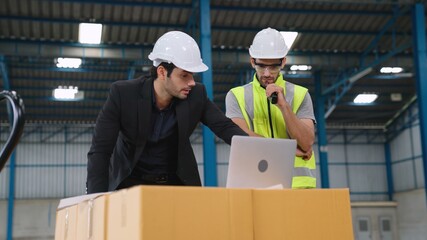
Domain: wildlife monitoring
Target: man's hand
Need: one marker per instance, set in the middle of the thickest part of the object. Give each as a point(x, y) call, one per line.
point(271, 88)
point(305, 155)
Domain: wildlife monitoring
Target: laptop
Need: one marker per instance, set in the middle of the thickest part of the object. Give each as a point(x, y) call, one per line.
point(257, 162)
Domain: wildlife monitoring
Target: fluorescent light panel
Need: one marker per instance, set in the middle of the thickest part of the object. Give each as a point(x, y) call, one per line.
point(68, 62)
point(289, 37)
point(365, 98)
point(70, 93)
point(391, 70)
point(90, 33)
point(300, 67)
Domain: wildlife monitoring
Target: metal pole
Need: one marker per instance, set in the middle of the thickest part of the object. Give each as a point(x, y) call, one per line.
point(209, 147)
point(321, 130)
point(420, 61)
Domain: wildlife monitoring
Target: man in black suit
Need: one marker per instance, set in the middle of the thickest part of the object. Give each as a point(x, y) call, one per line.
point(142, 132)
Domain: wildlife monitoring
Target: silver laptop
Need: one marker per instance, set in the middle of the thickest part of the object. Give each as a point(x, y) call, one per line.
point(257, 162)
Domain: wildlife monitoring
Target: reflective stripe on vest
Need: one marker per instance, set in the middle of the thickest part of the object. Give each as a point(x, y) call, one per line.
point(304, 172)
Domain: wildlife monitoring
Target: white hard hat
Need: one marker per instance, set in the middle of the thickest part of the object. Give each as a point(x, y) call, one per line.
point(180, 49)
point(268, 44)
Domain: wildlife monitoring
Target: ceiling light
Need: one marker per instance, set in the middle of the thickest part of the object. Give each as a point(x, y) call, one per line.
point(396, 97)
point(68, 62)
point(391, 70)
point(90, 33)
point(67, 93)
point(300, 67)
point(365, 98)
point(289, 37)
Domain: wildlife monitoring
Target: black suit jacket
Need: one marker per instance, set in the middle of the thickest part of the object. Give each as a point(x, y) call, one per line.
point(123, 127)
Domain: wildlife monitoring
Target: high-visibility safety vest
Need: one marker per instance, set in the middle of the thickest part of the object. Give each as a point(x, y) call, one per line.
point(304, 172)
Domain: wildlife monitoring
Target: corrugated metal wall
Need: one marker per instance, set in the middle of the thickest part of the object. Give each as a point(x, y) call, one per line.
point(51, 162)
point(406, 155)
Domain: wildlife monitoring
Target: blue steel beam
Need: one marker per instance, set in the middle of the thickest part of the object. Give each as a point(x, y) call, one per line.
point(184, 26)
point(396, 14)
point(67, 79)
point(399, 122)
point(52, 99)
point(80, 70)
point(131, 72)
point(321, 131)
point(103, 22)
point(420, 63)
point(11, 198)
point(209, 146)
point(88, 131)
point(128, 3)
point(281, 10)
point(347, 80)
point(20, 47)
point(192, 19)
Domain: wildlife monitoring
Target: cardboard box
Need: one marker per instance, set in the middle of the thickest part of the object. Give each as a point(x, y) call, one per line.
point(66, 223)
point(180, 213)
point(67, 217)
point(156, 212)
point(302, 214)
point(92, 218)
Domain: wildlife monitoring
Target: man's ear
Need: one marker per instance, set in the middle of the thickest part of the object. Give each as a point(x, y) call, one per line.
point(252, 62)
point(283, 62)
point(161, 72)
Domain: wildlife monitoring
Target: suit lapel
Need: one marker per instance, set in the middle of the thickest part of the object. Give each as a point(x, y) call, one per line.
point(144, 109)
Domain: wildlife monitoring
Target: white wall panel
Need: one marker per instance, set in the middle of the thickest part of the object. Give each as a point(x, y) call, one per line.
point(419, 172)
point(222, 153)
point(400, 147)
point(338, 176)
point(336, 153)
point(368, 179)
point(403, 175)
point(77, 153)
point(38, 153)
point(75, 183)
point(416, 140)
point(364, 173)
point(4, 183)
point(39, 182)
point(222, 175)
point(368, 153)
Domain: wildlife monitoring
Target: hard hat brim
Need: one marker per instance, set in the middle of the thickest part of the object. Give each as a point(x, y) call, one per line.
point(254, 54)
point(200, 68)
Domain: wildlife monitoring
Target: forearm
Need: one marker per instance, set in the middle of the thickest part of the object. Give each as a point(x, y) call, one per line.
point(97, 173)
point(301, 130)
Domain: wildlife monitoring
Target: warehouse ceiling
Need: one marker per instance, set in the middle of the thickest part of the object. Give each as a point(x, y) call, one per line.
point(338, 39)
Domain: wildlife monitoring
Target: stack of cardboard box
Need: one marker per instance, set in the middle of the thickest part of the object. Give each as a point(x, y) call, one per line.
point(148, 212)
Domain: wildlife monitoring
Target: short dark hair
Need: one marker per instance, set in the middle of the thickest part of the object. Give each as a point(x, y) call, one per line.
point(168, 66)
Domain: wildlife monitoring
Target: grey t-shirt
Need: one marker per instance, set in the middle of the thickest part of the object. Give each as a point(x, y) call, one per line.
point(305, 110)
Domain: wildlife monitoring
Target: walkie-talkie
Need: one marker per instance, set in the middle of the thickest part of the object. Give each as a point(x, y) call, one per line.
point(273, 98)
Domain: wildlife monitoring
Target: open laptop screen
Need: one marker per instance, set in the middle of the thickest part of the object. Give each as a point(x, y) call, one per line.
point(257, 162)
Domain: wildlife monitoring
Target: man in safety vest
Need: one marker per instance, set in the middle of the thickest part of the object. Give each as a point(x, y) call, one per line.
point(271, 107)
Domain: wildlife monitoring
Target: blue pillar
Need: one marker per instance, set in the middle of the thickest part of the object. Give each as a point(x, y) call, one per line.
point(11, 198)
point(322, 142)
point(420, 63)
point(209, 148)
point(389, 171)
point(131, 73)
